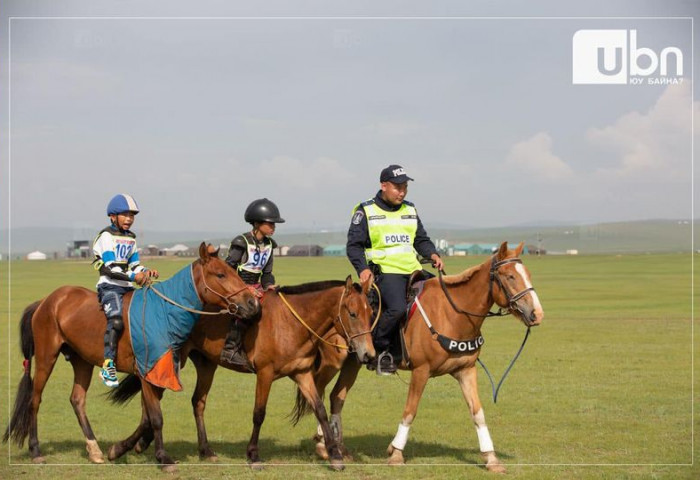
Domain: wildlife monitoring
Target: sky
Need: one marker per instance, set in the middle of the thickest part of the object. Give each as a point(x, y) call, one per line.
point(198, 108)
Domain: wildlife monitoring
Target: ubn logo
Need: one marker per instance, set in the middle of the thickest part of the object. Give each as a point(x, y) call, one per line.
point(612, 57)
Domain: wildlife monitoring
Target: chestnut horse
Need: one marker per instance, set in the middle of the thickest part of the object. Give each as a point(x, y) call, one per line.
point(71, 321)
point(278, 346)
point(503, 280)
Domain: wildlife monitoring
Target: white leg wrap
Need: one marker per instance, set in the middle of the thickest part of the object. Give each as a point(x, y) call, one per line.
point(319, 430)
point(482, 431)
point(485, 443)
point(399, 441)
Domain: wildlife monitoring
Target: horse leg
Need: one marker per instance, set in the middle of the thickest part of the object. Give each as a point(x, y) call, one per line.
point(305, 381)
point(262, 392)
point(467, 381)
point(205, 377)
point(152, 396)
point(146, 439)
point(346, 379)
point(44, 363)
point(143, 433)
point(82, 375)
point(419, 378)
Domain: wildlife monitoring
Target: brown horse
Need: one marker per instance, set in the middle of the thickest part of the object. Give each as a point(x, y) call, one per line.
point(278, 346)
point(70, 321)
point(503, 280)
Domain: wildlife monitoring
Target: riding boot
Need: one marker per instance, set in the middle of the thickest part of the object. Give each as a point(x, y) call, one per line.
point(233, 352)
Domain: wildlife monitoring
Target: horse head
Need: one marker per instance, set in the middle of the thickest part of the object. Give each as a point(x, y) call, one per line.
point(220, 285)
point(512, 288)
point(354, 320)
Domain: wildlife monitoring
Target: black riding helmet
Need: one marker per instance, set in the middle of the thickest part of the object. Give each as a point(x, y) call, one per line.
point(263, 210)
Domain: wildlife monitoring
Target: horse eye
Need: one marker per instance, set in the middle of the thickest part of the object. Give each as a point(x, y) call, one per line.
point(352, 314)
point(221, 275)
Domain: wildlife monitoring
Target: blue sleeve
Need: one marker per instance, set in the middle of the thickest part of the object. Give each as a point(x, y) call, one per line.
point(108, 257)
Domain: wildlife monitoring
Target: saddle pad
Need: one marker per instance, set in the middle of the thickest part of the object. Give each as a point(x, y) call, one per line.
point(159, 328)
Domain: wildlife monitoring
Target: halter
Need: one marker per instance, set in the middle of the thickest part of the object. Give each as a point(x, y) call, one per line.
point(338, 318)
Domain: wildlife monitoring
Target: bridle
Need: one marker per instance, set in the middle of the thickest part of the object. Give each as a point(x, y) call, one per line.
point(493, 277)
point(511, 299)
point(346, 334)
point(231, 307)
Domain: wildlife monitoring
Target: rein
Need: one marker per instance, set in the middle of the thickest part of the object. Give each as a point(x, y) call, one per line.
point(348, 337)
point(495, 389)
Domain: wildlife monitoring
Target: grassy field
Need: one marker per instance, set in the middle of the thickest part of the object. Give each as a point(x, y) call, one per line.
point(602, 390)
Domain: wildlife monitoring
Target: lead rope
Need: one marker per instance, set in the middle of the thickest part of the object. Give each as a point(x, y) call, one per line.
point(345, 347)
point(150, 287)
point(495, 389)
point(301, 320)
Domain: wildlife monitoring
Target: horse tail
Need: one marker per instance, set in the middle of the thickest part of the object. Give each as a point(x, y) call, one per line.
point(128, 387)
point(21, 420)
point(301, 408)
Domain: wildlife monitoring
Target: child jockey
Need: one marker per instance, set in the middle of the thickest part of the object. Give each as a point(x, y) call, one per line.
point(117, 260)
point(251, 255)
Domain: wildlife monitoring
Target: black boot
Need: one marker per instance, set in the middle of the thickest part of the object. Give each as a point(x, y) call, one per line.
point(233, 352)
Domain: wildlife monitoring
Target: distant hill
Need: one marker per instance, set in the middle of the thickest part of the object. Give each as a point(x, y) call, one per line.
point(652, 236)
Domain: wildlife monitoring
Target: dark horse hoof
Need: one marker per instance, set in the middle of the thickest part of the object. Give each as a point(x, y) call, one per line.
point(337, 464)
point(112, 453)
point(257, 466)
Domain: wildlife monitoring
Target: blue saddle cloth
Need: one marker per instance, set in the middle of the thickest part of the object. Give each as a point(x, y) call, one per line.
point(159, 328)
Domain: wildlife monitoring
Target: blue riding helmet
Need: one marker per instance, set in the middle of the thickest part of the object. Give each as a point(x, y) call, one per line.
point(122, 203)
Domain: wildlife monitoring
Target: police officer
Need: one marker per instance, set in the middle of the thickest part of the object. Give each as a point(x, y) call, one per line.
point(385, 234)
point(251, 255)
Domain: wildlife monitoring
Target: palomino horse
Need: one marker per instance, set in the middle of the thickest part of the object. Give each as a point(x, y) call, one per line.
point(284, 343)
point(503, 280)
point(70, 321)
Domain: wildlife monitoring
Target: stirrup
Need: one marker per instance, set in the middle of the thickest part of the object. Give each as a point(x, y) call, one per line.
point(234, 357)
point(390, 368)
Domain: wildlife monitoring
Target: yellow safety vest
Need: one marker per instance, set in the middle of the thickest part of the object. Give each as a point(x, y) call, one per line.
point(392, 235)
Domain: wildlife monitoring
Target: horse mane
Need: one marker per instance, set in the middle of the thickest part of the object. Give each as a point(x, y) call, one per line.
point(314, 287)
point(463, 277)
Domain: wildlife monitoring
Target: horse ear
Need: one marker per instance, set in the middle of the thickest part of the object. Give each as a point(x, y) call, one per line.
point(203, 253)
point(348, 283)
point(502, 250)
point(519, 249)
point(366, 285)
point(212, 250)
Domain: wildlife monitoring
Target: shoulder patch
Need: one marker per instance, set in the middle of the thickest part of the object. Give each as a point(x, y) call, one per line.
point(239, 242)
point(357, 218)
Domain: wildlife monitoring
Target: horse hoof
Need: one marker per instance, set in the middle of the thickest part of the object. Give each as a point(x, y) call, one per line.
point(94, 453)
point(112, 453)
point(395, 456)
point(257, 466)
point(321, 451)
point(337, 465)
point(40, 460)
point(210, 458)
point(497, 467)
point(169, 468)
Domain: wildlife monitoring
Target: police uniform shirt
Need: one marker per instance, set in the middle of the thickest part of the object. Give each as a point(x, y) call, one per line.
point(358, 236)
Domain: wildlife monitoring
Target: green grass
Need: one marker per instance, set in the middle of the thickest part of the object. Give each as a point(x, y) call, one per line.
point(602, 390)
